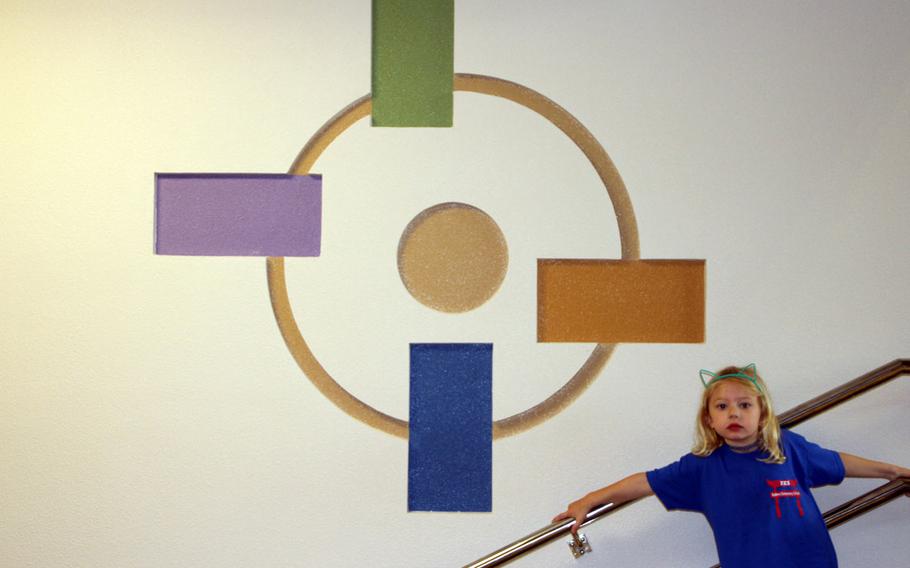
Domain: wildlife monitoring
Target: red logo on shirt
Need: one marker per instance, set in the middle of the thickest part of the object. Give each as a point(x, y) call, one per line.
point(782, 489)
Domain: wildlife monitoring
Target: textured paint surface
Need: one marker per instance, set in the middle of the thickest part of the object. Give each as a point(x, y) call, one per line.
point(413, 65)
point(450, 446)
point(238, 214)
point(615, 301)
point(452, 257)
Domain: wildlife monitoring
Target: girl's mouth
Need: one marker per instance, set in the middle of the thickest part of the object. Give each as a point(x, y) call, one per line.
point(734, 427)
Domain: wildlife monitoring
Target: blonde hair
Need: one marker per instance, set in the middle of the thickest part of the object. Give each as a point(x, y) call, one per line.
point(707, 440)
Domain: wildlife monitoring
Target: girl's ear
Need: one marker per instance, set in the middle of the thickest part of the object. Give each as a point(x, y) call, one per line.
point(706, 377)
point(763, 415)
point(706, 415)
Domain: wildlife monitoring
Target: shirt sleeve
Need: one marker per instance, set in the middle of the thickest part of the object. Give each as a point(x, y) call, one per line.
point(677, 485)
point(822, 466)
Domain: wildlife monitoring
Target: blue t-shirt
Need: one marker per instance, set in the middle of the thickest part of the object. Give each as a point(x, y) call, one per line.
point(762, 514)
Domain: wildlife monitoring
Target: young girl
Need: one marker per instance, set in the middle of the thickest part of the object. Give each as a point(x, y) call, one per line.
point(750, 479)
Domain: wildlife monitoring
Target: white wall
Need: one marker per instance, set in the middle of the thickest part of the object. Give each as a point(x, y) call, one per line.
point(150, 414)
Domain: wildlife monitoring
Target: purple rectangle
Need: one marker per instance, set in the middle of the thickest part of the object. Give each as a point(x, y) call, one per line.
point(238, 214)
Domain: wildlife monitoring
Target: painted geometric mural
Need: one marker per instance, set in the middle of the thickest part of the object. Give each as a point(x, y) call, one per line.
point(452, 257)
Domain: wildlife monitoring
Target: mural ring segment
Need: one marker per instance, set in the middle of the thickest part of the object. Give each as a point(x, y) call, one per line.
point(625, 218)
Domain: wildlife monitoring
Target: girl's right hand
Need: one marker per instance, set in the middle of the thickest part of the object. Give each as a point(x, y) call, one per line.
point(633, 487)
point(577, 510)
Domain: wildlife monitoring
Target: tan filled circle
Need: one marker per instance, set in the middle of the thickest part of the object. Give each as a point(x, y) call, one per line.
point(452, 257)
point(625, 220)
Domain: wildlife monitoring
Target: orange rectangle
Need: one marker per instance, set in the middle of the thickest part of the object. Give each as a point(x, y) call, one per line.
point(620, 301)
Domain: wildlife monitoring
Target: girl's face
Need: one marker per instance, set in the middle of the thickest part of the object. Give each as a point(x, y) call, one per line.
point(734, 412)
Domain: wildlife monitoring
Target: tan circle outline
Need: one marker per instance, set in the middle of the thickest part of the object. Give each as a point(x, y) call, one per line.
point(625, 218)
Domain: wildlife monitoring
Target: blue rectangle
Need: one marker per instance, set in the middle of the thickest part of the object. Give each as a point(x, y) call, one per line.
point(450, 442)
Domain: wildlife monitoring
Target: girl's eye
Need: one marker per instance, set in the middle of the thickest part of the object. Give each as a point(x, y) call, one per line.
point(721, 406)
point(745, 405)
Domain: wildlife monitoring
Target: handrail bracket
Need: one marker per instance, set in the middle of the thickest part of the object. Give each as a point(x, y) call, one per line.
point(579, 545)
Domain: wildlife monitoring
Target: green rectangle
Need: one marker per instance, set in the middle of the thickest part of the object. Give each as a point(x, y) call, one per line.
point(413, 62)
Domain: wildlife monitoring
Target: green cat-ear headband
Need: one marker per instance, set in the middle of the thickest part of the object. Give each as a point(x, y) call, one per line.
point(707, 377)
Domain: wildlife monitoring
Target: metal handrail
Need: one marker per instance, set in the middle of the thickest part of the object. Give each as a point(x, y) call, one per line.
point(845, 392)
point(543, 536)
point(792, 417)
point(868, 501)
